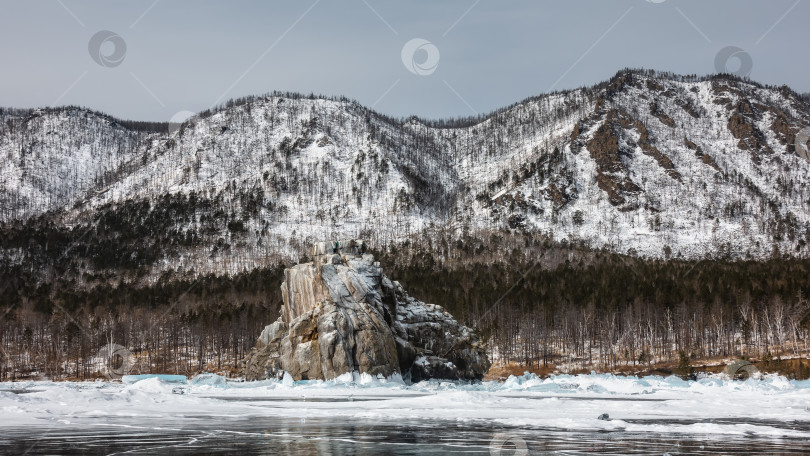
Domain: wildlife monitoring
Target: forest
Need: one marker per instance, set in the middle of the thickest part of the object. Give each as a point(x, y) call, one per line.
point(647, 222)
point(560, 307)
point(540, 304)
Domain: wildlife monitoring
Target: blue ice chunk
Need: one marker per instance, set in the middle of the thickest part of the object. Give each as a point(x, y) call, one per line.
point(130, 379)
point(209, 379)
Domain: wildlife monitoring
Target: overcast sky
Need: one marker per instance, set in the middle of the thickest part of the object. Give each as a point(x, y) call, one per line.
point(471, 56)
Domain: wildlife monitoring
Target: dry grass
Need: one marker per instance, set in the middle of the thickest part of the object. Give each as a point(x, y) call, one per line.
point(794, 368)
point(502, 371)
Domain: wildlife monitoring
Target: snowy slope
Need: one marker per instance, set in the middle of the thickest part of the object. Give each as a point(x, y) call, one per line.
point(646, 164)
point(695, 188)
point(52, 158)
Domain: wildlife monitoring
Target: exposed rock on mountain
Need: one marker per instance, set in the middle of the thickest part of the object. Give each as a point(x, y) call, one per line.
point(341, 314)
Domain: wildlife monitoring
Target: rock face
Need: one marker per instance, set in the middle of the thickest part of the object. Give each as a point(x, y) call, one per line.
point(740, 369)
point(341, 314)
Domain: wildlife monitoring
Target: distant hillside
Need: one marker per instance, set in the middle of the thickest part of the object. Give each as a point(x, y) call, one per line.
point(645, 164)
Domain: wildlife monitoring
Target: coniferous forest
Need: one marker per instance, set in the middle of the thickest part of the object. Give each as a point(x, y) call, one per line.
point(541, 305)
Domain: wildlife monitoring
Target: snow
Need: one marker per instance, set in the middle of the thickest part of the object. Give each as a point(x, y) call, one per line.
point(772, 406)
point(130, 379)
point(334, 184)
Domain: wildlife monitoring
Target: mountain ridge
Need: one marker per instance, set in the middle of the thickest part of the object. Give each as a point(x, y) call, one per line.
point(605, 167)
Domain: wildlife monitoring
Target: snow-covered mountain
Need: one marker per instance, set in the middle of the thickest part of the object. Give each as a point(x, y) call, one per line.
point(648, 164)
point(54, 157)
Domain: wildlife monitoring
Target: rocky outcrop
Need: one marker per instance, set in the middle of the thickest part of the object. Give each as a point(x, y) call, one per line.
point(703, 156)
point(605, 151)
point(341, 314)
point(665, 119)
point(647, 147)
point(743, 127)
point(740, 369)
point(612, 141)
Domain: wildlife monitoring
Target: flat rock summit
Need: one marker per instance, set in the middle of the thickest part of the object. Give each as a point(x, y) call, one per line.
point(342, 314)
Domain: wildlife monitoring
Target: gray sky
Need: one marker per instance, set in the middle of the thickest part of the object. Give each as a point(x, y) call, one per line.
point(186, 55)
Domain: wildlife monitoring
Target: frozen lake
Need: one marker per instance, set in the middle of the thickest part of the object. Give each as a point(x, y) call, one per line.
point(360, 416)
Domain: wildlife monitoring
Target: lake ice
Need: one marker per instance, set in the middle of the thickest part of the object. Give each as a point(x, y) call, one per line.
point(365, 415)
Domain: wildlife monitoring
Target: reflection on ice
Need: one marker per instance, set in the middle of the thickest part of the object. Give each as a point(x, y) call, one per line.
point(322, 436)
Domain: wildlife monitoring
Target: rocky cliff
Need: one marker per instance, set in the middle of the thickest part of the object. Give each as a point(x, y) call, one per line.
point(341, 314)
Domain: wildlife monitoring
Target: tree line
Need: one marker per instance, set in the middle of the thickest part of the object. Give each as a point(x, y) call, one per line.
point(536, 301)
point(183, 327)
point(541, 303)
